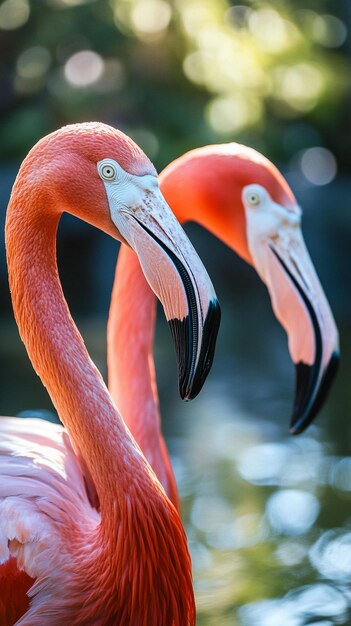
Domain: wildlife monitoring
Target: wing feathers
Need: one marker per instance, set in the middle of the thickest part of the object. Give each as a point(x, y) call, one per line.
point(43, 496)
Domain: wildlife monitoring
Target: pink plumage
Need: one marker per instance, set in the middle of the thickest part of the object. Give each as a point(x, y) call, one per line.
point(43, 500)
point(88, 537)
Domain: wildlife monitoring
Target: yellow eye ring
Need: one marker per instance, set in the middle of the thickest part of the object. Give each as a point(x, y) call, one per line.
point(108, 171)
point(253, 198)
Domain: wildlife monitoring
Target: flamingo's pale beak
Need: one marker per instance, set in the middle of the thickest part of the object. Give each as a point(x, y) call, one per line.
point(171, 267)
point(282, 260)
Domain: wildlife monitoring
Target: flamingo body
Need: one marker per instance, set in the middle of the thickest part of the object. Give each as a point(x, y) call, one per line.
point(43, 503)
point(86, 529)
point(47, 524)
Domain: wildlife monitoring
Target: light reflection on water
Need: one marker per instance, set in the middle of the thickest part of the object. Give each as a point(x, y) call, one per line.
point(331, 555)
point(255, 503)
point(292, 511)
point(298, 608)
point(340, 474)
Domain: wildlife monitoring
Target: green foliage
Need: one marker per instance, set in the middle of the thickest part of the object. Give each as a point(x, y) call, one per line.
point(174, 74)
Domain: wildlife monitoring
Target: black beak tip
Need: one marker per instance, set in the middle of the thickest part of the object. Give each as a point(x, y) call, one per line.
point(186, 396)
point(193, 371)
point(308, 400)
point(294, 430)
point(209, 338)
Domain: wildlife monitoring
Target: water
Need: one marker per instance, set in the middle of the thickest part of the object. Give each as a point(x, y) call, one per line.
point(256, 509)
point(267, 515)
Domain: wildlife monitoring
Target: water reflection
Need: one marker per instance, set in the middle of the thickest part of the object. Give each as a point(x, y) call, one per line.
point(340, 474)
point(285, 463)
point(256, 505)
point(292, 512)
point(291, 552)
point(331, 555)
point(299, 607)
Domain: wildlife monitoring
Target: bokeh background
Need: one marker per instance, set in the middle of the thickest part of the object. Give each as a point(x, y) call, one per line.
point(268, 516)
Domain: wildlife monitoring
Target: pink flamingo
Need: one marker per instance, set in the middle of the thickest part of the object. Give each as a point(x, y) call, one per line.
point(238, 195)
point(87, 534)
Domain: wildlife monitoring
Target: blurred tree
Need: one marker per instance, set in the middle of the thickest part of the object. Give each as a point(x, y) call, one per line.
point(176, 73)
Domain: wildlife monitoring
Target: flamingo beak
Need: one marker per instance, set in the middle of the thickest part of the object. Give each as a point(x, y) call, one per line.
point(174, 272)
point(281, 258)
point(180, 281)
point(299, 300)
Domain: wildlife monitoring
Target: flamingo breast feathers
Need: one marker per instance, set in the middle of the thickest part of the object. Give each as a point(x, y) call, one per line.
point(44, 502)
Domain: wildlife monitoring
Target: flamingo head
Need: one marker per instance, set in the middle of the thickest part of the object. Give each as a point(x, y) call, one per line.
point(244, 200)
point(101, 176)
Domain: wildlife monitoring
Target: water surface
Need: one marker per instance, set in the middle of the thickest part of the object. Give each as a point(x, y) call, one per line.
point(267, 515)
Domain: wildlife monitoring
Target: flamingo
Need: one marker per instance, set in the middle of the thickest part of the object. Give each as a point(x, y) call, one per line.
point(241, 197)
point(87, 533)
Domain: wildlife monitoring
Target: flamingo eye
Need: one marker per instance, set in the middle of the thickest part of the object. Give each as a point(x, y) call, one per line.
point(108, 171)
point(253, 198)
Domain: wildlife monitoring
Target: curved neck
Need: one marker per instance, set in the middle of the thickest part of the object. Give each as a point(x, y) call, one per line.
point(140, 545)
point(59, 357)
point(131, 367)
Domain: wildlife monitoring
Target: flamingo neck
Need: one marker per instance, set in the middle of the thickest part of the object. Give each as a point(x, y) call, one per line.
point(134, 564)
point(140, 561)
point(59, 356)
point(140, 556)
point(131, 367)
